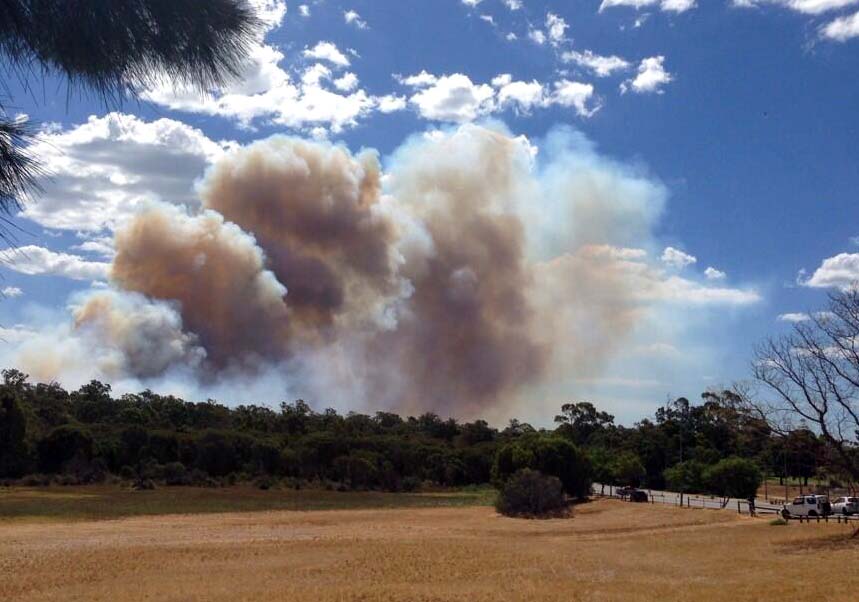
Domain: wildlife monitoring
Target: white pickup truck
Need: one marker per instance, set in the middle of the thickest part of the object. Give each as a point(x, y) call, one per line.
point(807, 505)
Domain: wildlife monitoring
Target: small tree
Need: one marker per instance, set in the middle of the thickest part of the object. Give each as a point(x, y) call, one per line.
point(627, 469)
point(528, 493)
point(686, 477)
point(734, 477)
point(548, 454)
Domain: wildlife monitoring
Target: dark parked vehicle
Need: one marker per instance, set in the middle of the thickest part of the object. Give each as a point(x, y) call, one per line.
point(638, 496)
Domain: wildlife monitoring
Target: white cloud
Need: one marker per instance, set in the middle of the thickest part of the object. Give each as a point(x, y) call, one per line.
point(676, 6)
point(353, 18)
point(391, 103)
point(651, 77)
point(105, 169)
point(100, 245)
point(522, 95)
point(807, 7)
point(471, 3)
point(712, 273)
point(840, 271)
point(602, 66)
point(575, 94)
point(267, 91)
point(513, 4)
point(556, 28)
point(326, 51)
point(793, 317)
point(33, 260)
point(489, 19)
point(10, 292)
point(676, 258)
point(842, 28)
point(537, 36)
point(452, 98)
point(271, 12)
point(347, 82)
point(304, 10)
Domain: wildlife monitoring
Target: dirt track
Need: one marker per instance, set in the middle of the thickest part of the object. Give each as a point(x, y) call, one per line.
point(608, 551)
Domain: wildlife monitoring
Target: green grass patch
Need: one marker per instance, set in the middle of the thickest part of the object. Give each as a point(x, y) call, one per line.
point(111, 502)
point(778, 522)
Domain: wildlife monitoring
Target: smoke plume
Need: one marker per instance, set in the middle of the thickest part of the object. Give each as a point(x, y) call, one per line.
point(469, 273)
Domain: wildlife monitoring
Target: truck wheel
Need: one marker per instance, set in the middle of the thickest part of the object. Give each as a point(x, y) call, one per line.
point(785, 514)
point(812, 513)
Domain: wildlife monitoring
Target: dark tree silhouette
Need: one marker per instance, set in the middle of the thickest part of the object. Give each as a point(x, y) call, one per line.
point(113, 49)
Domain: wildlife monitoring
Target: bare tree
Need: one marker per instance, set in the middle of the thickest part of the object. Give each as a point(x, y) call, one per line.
point(813, 373)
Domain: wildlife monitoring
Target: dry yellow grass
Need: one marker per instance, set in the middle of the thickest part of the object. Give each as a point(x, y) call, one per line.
point(608, 551)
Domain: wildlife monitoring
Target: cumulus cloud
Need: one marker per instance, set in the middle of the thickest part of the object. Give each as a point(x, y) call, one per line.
point(104, 170)
point(576, 95)
point(808, 7)
point(305, 98)
point(842, 29)
point(304, 10)
point(651, 77)
point(712, 273)
point(537, 36)
point(840, 271)
point(513, 4)
point(452, 98)
point(456, 98)
point(676, 258)
point(34, 260)
point(326, 51)
point(556, 28)
point(601, 66)
point(10, 292)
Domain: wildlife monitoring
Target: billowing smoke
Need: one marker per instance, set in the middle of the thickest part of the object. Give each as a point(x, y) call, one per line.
point(468, 273)
point(314, 209)
point(216, 273)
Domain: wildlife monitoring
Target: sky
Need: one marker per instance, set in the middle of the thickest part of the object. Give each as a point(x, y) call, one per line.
point(729, 126)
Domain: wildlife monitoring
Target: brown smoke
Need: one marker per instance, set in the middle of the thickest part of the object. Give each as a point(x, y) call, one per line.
point(147, 336)
point(215, 271)
point(467, 337)
point(313, 208)
point(474, 280)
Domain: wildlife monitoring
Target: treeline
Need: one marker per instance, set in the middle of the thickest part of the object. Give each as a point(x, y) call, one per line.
point(48, 434)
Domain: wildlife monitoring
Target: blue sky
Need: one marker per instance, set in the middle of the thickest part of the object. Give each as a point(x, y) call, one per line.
point(745, 115)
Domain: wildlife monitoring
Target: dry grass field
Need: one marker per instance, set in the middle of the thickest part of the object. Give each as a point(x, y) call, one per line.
point(609, 550)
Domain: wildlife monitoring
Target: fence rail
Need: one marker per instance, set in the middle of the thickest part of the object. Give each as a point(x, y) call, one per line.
point(715, 503)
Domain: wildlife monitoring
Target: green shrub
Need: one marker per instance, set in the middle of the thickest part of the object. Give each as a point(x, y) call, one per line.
point(549, 455)
point(528, 493)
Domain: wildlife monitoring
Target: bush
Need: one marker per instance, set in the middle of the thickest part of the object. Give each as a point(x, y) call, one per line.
point(530, 494)
point(175, 473)
point(63, 444)
point(734, 477)
point(411, 484)
point(549, 455)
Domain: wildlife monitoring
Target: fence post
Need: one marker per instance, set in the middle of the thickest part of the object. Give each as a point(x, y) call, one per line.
point(738, 507)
